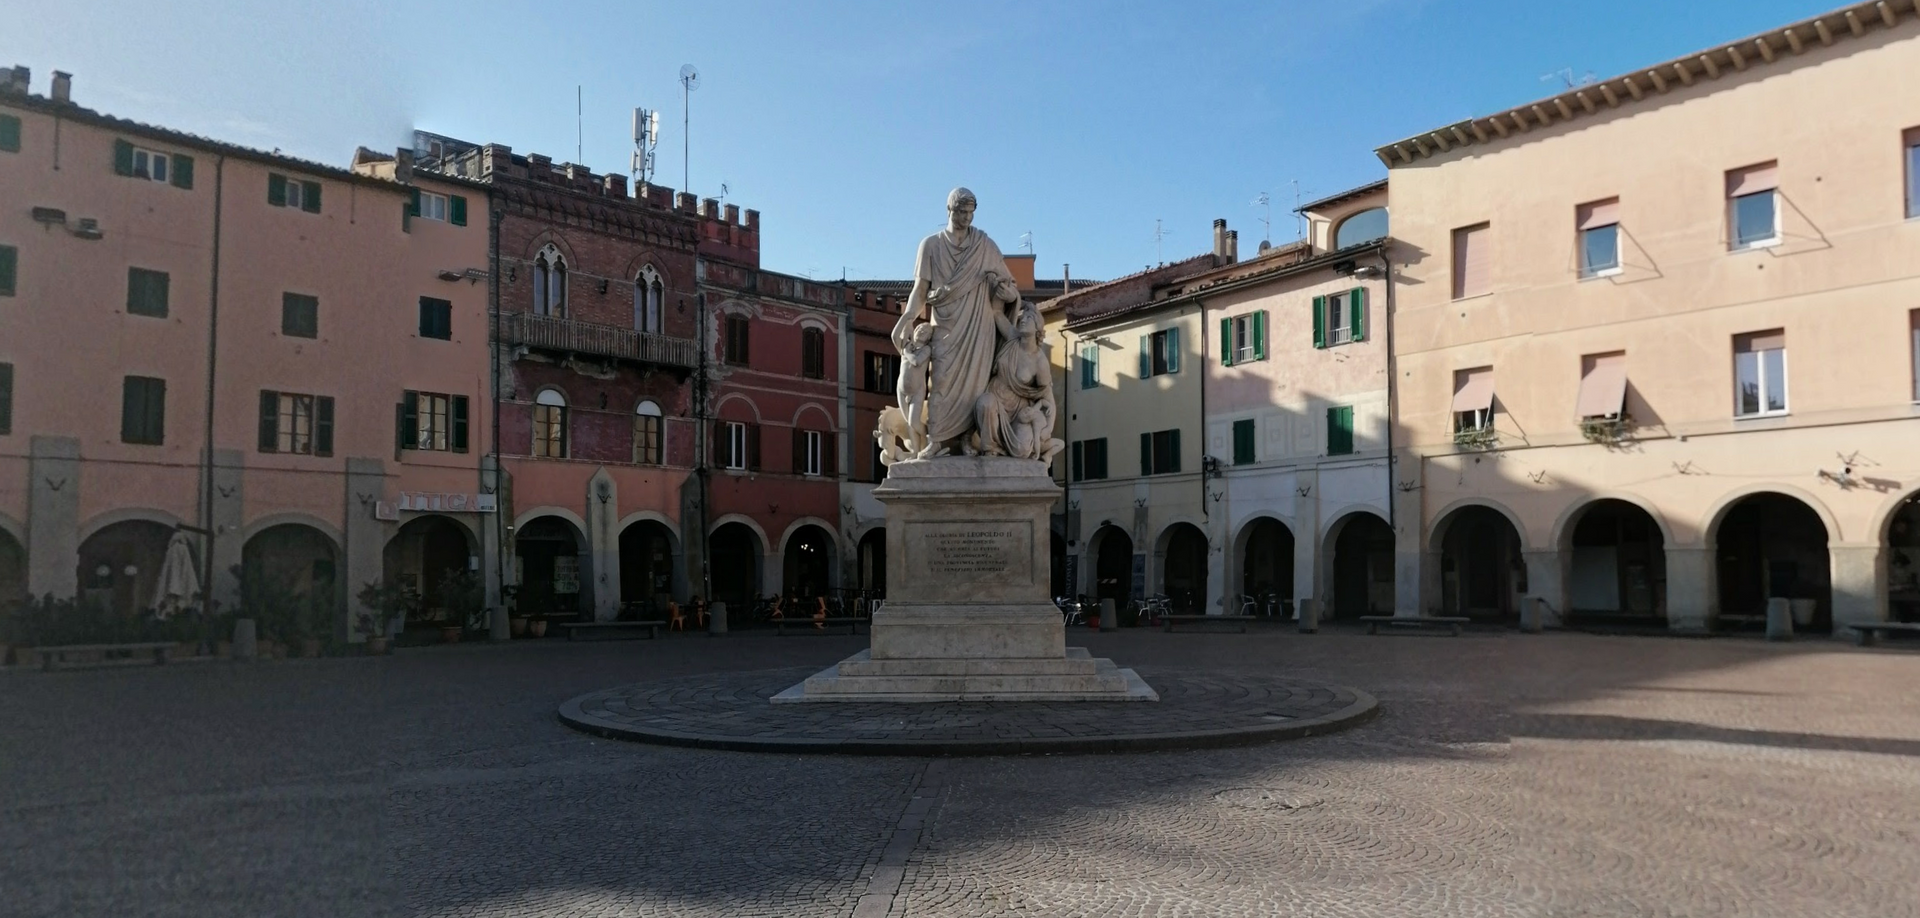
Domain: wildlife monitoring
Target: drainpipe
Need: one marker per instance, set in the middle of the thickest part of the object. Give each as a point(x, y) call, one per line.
point(213, 353)
point(500, 529)
point(1393, 387)
point(1200, 310)
point(702, 472)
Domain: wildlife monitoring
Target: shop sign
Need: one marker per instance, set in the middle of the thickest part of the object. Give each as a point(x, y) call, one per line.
point(429, 502)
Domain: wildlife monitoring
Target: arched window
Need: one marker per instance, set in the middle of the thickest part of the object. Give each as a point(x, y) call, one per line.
point(813, 353)
point(648, 292)
point(549, 283)
point(648, 439)
point(550, 424)
point(1365, 226)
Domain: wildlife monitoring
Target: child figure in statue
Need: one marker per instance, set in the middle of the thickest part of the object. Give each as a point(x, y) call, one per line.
point(912, 387)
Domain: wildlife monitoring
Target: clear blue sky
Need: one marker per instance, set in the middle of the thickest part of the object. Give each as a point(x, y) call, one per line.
point(845, 124)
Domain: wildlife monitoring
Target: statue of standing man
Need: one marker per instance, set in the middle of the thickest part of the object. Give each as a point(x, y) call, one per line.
point(956, 287)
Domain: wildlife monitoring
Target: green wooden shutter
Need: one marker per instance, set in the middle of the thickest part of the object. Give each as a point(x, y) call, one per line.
point(413, 202)
point(1226, 342)
point(122, 158)
point(269, 421)
point(1358, 320)
point(1173, 451)
point(9, 134)
point(1339, 431)
point(406, 218)
point(828, 454)
point(1146, 356)
point(1243, 441)
point(410, 421)
point(1173, 350)
point(276, 189)
point(753, 447)
point(6, 398)
point(182, 166)
point(1077, 466)
point(323, 425)
point(9, 269)
point(1260, 335)
point(132, 407)
point(799, 451)
point(1320, 321)
point(1146, 454)
point(310, 197)
point(457, 210)
point(459, 423)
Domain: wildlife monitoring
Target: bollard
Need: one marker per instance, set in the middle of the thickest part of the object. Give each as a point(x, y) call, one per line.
point(497, 628)
point(1309, 615)
point(1533, 615)
point(1779, 620)
point(246, 640)
point(1109, 619)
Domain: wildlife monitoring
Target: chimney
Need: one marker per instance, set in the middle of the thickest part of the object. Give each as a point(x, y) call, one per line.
point(1220, 239)
point(15, 82)
point(1233, 246)
point(1066, 279)
point(403, 166)
point(62, 87)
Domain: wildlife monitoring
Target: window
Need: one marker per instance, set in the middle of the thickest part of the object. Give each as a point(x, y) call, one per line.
point(298, 424)
point(1752, 208)
point(1603, 386)
point(9, 134)
point(6, 399)
point(1365, 226)
point(1598, 224)
point(1340, 430)
point(1243, 338)
point(432, 206)
point(432, 421)
point(174, 169)
point(436, 318)
point(737, 445)
point(1472, 261)
point(882, 371)
point(1760, 374)
point(428, 205)
point(143, 410)
point(648, 293)
point(295, 193)
point(9, 269)
point(813, 353)
point(1088, 461)
point(646, 434)
point(1910, 140)
point(299, 315)
point(1089, 366)
point(1243, 451)
point(550, 425)
point(549, 283)
point(147, 293)
point(812, 452)
point(1473, 400)
point(1160, 353)
point(1340, 318)
point(1160, 452)
point(736, 344)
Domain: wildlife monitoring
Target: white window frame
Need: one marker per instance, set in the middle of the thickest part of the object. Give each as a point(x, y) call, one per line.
point(152, 165)
point(1243, 350)
point(1733, 223)
point(736, 459)
point(649, 409)
point(549, 400)
point(434, 421)
point(1473, 421)
point(1339, 318)
point(812, 441)
point(433, 206)
point(649, 295)
point(294, 430)
point(1587, 270)
point(1760, 377)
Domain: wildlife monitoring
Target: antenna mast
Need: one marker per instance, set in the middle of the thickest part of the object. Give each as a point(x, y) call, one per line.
point(646, 135)
point(1159, 233)
point(1263, 200)
point(689, 81)
point(579, 132)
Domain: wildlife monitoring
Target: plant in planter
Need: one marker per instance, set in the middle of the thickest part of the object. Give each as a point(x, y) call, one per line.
point(380, 603)
point(464, 598)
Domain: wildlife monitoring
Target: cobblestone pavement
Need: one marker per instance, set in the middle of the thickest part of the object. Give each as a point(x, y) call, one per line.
point(1198, 708)
point(1562, 775)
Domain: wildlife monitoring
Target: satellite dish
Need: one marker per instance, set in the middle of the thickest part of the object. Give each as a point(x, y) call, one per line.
point(689, 76)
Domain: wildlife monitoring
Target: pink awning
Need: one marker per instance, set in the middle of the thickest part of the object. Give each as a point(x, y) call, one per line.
point(1603, 388)
point(1597, 214)
point(1473, 390)
point(1752, 179)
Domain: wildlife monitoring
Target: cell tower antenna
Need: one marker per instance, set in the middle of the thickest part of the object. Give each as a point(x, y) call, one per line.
point(689, 81)
point(646, 135)
point(1265, 201)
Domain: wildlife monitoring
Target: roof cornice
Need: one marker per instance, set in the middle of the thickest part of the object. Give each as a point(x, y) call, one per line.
point(1772, 48)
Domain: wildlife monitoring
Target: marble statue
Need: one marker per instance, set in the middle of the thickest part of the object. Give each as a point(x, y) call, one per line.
point(974, 375)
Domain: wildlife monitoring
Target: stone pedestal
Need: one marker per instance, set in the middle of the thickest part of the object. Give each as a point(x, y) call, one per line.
point(967, 616)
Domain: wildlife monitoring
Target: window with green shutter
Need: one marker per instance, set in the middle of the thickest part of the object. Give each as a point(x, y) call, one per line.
point(9, 134)
point(1160, 452)
point(288, 192)
point(122, 158)
point(143, 410)
point(1243, 441)
point(1357, 306)
point(1146, 454)
point(457, 210)
point(459, 424)
point(1097, 459)
point(1260, 335)
point(147, 293)
point(268, 440)
point(1160, 353)
point(436, 318)
point(299, 315)
point(1340, 430)
point(1089, 366)
point(323, 425)
point(310, 197)
point(9, 268)
point(1227, 347)
point(182, 171)
point(6, 399)
point(276, 189)
point(1319, 321)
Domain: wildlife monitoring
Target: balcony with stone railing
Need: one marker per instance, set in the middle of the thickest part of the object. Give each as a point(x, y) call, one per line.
point(551, 333)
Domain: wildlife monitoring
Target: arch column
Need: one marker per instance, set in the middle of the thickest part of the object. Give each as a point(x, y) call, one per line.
point(1546, 579)
point(53, 516)
point(364, 538)
point(1692, 589)
point(603, 546)
point(1859, 576)
point(1410, 563)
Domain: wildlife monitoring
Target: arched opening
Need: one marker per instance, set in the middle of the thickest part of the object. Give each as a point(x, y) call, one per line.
point(1183, 568)
point(648, 292)
point(1113, 574)
point(1617, 565)
point(1481, 570)
point(13, 570)
point(808, 565)
point(289, 580)
point(549, 283)
point(733, 566)
point(420, 556)
point(550, 424)
point(1057, 563)
point(1365, 226)
point(1771, 546)
point(120, 565)
point(1903, 562)
point(649, 441)
point(873, 563)
point(1362, 567)
point(646, 568)
point(547, 562)
point(1266, 567)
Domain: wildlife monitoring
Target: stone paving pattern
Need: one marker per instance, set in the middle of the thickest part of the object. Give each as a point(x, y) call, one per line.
point(1197, 708)
point(1561, 775)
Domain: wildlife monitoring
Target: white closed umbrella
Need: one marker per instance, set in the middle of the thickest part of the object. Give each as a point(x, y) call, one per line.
point(179, 584)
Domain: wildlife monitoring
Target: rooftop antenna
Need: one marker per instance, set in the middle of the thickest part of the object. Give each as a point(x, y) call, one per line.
point(646, 134)
point(579, 132)
point(1565, 76)
point(1263, 200)
point(1026, 241)
point(689, 81)
point(1159, 233)
point(1299, 219)
point(723, 191)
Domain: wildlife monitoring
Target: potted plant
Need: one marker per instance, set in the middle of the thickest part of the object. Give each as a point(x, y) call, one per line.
point(464, 598)
point(380, 602)
point(537, 625)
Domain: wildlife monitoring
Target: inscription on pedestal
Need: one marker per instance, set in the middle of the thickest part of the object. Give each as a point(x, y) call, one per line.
point(959, 552)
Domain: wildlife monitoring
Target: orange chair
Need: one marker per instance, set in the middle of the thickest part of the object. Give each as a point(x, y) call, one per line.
point(675, 620)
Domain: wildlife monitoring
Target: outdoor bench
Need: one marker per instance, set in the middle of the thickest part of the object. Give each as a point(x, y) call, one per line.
point(57, 657)
point(1167, 621)
point(1866, 634)
point(1451, 622)
point(609, 631)
point(806, 623)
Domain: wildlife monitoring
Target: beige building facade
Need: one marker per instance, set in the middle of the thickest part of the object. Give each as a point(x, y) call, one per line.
point(1655, 340)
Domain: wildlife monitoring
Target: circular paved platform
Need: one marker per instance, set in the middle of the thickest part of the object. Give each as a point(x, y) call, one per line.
point(1197, 709)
